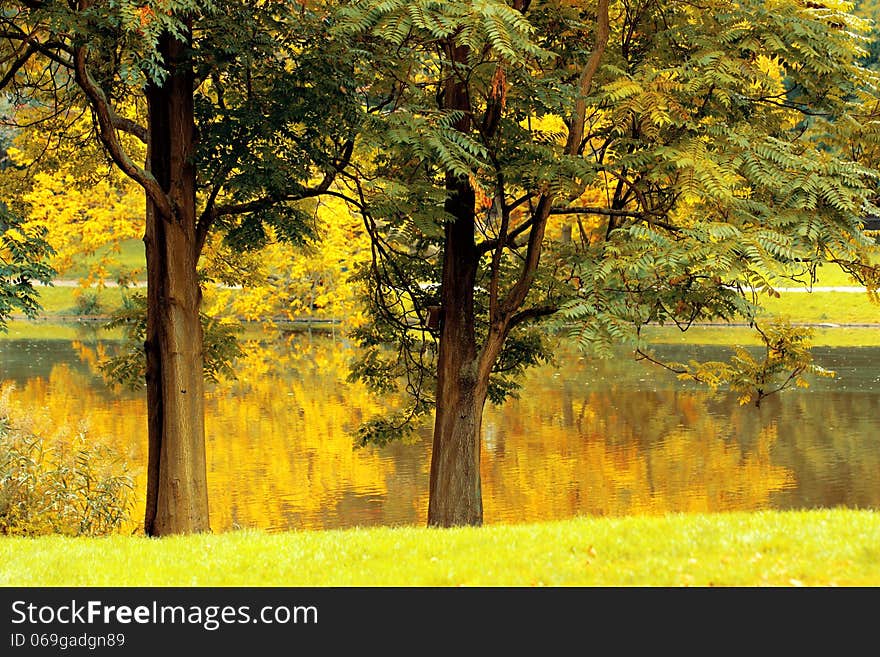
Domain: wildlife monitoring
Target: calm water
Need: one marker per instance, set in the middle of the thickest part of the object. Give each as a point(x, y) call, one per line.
point(591, 437)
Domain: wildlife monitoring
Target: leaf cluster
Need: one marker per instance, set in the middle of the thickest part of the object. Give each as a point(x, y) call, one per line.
point(23, 255)
point(128, 368)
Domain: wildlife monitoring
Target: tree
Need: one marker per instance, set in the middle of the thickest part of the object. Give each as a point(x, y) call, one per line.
point(599, 166)
point(292, 282)
point(242, 111)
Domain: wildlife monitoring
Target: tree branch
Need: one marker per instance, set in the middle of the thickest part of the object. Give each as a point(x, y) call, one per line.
point(612, 212)
point(128, 126)
point(532, 313)
point(489, 245)
point(498, 251)
point(16, 65)
point(107, 133)
point(585, 82)
point(520, 289)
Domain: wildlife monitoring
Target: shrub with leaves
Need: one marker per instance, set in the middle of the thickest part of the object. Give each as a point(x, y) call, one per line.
point(53, 486)
point(23, 254)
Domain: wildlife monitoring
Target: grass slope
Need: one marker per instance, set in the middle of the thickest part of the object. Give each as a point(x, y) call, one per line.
point(836, 547)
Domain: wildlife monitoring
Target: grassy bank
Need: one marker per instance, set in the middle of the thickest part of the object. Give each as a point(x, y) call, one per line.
point(811, 548)
point(817, 308)
point(78, 302)
point(823, 307)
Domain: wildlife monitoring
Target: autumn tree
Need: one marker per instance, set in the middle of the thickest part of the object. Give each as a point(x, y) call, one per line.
point(243, 111)
point(598, 167)
point(290, 282)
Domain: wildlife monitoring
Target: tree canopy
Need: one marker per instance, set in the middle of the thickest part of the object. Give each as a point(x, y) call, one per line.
point(604, 166)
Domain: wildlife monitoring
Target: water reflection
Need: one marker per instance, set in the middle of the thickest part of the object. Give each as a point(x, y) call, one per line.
point(589, 437)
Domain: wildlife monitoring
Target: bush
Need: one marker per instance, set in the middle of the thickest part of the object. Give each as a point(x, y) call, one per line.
point(87, 304)
point(58, 486)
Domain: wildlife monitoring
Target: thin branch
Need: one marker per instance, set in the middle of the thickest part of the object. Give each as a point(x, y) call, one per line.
point(520, 289)
point(498, 251)
point(48, 49)
point(525, 198)
point(612, 212)
point(509, 239)
point(643, 355)
point(16, 65)
point(532, 313)
point(585, 82)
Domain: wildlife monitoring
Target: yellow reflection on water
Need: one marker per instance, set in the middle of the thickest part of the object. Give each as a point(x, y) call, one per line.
point(281, 454)
point(607, 462)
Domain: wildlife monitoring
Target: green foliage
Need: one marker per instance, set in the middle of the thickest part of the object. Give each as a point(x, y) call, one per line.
point(128, 368)
point(380, 431)
point(727, 151)
point(54, 487)
point(477, 25)
point(23, 255)
point(130, 29)
point(786, 360)
point(277, 115)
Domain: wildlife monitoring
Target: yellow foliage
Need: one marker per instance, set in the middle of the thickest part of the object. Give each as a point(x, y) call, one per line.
point(85, 222)
point(288, 282)
point(64, 182)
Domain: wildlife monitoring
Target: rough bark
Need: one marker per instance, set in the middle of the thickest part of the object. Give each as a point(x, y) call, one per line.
point(455, 497)
point(177, 492)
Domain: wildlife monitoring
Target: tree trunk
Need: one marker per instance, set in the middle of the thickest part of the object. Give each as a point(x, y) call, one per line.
point(177, 491)
point(455, 497)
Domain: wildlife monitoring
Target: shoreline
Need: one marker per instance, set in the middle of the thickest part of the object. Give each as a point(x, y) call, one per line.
point(332, 321)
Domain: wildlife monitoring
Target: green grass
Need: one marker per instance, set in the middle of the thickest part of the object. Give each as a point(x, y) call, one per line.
point(824, 307)
point(62, 301)
point(23, 330)
point(811, 548)
point(130, 257)
point(840, 336)
point(832, 276)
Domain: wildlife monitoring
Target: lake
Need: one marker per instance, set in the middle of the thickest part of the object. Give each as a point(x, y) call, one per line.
point(587, 437)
